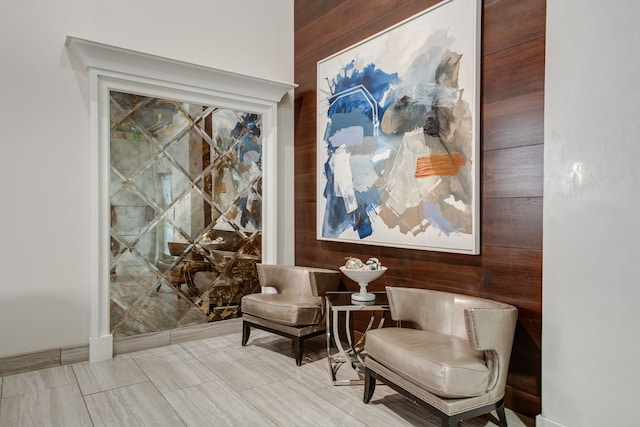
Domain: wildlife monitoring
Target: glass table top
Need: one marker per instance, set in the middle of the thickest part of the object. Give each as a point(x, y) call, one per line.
point(343, 301)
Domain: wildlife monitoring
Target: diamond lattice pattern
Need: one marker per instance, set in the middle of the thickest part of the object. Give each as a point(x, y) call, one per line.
point(186, 203)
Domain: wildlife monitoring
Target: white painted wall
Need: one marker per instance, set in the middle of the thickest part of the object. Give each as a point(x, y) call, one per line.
point(44, 125)
point(591, 265)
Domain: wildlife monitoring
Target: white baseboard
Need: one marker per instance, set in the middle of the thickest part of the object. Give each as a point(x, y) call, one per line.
point(100, 348)
point(546, 422)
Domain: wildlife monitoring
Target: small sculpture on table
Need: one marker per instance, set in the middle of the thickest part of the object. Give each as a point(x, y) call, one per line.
point(363, 274)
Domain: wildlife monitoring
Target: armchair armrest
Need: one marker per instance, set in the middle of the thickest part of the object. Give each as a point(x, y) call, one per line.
point(491, 328)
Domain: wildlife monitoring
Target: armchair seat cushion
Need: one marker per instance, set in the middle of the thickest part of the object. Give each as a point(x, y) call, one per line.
point(293, 310)
point(444, 365)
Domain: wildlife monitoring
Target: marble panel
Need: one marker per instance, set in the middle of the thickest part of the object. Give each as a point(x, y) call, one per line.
point(161, 308)
point(193, 316)
point(172, 367)
point(126, 325)
point(214, 403)
point(135, 405)
point(120, 371)
point(57, 406)
point(130, 280)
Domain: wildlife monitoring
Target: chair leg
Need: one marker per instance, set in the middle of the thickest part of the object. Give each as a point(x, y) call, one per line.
point(246, 331)
point(450, 422)
point(501, 415)
point(298, 349)
point(369, 385)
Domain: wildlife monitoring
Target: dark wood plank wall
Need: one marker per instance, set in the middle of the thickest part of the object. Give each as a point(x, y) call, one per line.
point(509, 268)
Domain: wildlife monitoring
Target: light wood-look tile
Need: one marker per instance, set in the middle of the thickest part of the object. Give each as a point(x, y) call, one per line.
point(232, 351)
point(29, 382)
point(172, 368)
point(256, 334)
point(289, 403)
point(314, 375)
point(242, 374)
point(57, 406)
point(105, 375)
point(383, 410)
point(135, 405)
point(215, 403)
point(207, 347)
point(198, 383)
point(390, 408)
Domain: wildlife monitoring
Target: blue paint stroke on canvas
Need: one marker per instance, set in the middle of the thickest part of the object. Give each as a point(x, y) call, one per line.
point(354, 114)
point(399, 147)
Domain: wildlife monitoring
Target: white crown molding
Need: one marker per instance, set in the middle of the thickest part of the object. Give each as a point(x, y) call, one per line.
point(107, 57)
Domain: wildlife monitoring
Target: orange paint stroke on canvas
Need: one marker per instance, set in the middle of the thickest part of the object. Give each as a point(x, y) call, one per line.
point(439, 165)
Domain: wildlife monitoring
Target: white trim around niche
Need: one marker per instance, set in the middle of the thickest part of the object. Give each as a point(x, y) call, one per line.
point(113, 68)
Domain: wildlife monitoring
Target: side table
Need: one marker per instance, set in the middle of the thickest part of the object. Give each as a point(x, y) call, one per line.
point(340, 303)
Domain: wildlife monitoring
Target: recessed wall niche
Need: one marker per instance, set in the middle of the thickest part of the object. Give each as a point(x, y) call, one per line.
point(158, 244)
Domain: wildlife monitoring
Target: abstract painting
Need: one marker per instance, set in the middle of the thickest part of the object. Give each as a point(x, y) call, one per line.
point(398, 135)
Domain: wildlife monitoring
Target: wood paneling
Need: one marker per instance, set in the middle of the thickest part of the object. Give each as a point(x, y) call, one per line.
point(351, 22)
point(513, 72)
point(512, 222)
point(509, 268)
point(311, 11)
point(513, 172)
point(508, 23)
point(513, 122)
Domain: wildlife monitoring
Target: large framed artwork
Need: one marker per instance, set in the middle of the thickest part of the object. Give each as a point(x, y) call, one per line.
point(398, 135)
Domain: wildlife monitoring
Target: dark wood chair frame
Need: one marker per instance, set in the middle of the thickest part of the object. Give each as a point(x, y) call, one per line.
point(371, 376)
point(298, 341)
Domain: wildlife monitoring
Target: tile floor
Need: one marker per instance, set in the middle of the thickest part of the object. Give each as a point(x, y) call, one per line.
point(209, 382)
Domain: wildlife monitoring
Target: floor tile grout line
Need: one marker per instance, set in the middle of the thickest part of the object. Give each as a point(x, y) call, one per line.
point(303, 376)
point(260, 411)
point(196, 359)
point(169, 403)
point(239, 393)
point(84, 400)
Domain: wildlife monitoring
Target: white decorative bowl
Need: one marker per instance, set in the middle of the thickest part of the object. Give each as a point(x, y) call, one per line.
point(363, 277)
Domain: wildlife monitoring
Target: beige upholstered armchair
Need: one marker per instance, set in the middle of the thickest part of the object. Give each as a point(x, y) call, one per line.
point(454, 362)
point(297, 309)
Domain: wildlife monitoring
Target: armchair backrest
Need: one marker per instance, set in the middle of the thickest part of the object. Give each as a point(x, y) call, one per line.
point(488, 325)
point(298, 280)
point(429, 310)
